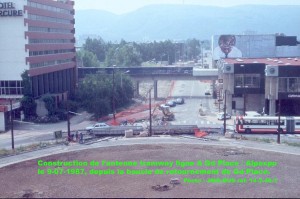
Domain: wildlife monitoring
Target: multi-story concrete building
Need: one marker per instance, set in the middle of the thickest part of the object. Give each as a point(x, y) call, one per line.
point(258, 84)
point(36, 36)
point(258, 71)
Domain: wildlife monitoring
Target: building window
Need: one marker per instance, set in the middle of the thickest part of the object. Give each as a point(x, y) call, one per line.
point(50, 52)
point(293, 85)
point(282, 85)
point(49, 19)
point(11, 88)
point(247, 81)
point(50, 63)
point(49, 8)
point(49, 30)
point(49, 41)
point(289, 85)
point(238, 81)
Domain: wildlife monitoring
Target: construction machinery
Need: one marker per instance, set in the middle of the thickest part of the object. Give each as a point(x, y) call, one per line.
point(168, 115)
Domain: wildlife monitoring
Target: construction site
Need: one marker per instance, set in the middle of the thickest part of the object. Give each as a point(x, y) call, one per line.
point(163, 119)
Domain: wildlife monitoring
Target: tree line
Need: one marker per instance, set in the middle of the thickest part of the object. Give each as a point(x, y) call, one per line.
point(98, 53)
point(96, 93)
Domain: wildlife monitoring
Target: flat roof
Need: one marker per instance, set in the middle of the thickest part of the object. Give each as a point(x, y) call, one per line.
point(295, 61)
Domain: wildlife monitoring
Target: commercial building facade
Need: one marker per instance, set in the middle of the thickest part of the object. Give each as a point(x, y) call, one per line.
point(257, 72)
point(258, 84)
point(37, 36)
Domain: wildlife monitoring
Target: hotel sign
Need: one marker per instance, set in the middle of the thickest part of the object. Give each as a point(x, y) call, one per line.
point(8, 9)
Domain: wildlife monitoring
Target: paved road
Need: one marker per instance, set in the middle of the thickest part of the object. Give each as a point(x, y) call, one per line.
point(186, 114)
point(25, 133)
point(195, 98)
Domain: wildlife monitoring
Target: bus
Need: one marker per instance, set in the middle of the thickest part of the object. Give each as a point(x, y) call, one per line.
point(266, 124)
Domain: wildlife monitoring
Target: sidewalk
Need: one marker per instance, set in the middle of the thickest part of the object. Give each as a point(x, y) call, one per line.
point(224, 142)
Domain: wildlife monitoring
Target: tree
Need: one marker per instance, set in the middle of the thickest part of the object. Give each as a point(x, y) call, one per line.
point(49, 104)
point(26, 84)
point(126, 55)
point(29, 107)
point(27, 102)
point(95, 92)
point(97, 46)
point(192, 48)
point(87, 59)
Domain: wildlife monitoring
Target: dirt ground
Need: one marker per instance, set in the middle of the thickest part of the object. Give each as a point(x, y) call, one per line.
point(22, 179)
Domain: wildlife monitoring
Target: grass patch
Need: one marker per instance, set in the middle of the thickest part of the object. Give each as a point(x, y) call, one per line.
point(5, 152)
point(266, 140)
point(292, 144)
point(28, 148)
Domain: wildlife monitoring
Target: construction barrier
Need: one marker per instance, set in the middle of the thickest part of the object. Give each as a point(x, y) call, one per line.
point(199, 133)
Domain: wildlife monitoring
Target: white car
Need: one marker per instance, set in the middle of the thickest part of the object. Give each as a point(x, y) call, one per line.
point(252, 114)
point(97, 126)
point(221, 116)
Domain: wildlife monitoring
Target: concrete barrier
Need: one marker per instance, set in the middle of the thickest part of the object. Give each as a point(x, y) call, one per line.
point(129, 133)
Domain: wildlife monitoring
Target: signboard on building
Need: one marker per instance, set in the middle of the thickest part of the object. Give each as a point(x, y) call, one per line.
point(8, 9)
point(239, 46)
point(289, 96)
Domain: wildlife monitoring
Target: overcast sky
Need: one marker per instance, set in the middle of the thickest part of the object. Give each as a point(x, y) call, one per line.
point(124, 6)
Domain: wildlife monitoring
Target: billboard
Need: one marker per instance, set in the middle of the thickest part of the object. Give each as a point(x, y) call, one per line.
point(239, 46)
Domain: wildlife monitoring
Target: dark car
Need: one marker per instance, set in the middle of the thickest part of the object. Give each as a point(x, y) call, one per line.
point(207, 92)
point(179, 101)
point(171, 103)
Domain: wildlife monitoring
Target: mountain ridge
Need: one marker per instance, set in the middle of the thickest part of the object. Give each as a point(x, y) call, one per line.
point(177, 22)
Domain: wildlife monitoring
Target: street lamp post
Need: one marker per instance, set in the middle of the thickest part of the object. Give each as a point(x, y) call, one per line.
point(69, 123)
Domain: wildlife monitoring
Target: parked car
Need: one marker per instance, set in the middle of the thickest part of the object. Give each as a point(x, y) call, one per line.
point(252, 114)
point(207, 92)
point(97, 126)
point(221, 116)
point(179, 101)
point(171, 103)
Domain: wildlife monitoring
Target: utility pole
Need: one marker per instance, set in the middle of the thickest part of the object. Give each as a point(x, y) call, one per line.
point(113, 90)
point(279, 129)
point(244, 94)
point(224, 122)
point(69, 132)
point(12, 126)
point(202, 54)
point(150, 115)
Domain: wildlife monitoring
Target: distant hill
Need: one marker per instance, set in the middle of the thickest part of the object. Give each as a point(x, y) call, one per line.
point(178, 22)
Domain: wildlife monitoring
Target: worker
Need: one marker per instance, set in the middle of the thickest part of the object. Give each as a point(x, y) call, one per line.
point(81, 137)
point(76, 136)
